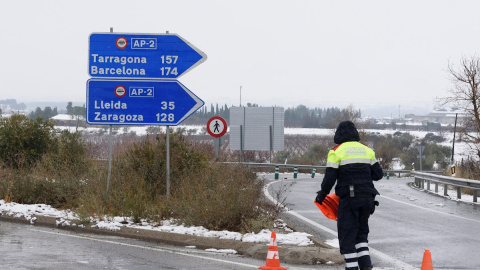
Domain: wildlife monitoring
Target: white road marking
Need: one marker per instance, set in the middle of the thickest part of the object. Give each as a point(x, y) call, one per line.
point(431, 210)
point(397, 264)
point(149, 248)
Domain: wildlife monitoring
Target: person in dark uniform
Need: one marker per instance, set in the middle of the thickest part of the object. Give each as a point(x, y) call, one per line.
point(354, 167)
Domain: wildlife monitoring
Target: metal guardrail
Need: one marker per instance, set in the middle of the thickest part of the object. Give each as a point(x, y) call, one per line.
point(317, 167)
point(421, 178)
point(284, 166)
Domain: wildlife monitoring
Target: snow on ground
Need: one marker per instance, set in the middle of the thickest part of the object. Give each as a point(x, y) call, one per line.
point(451, 194)
point(68, 218)
point(462, 150)
point(333, 243)
point(27, 210)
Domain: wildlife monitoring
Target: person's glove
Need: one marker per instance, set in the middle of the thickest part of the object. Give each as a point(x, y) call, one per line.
point(320, 196)
point(375, 203)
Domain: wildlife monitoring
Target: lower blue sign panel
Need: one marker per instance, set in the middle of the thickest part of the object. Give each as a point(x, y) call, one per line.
point(139, 102)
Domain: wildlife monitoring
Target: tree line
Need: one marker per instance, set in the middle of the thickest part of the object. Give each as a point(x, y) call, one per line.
point(300, 116)
point(48, 112)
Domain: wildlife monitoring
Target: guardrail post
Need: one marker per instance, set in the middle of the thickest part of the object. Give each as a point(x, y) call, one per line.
point(444, 181)
point(313, 172)
point(276, 172)
point(388, 175)
point(295, 172)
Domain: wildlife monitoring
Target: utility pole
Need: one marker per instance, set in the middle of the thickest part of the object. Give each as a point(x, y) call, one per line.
point(453, 145)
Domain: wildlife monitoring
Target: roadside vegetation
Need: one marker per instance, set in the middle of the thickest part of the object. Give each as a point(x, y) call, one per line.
point(42, 165)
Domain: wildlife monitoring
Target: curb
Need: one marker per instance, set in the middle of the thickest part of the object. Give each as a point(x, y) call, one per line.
point(320, 253)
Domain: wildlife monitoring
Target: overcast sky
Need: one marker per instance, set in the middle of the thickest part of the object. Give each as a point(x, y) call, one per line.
point(285, 53)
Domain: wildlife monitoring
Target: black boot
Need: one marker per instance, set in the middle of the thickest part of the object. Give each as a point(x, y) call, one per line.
point(367, 268)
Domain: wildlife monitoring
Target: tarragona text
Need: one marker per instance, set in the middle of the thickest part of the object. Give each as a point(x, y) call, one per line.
point(121, 60)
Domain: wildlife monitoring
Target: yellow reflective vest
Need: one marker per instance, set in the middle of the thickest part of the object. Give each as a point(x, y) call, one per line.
point(351, 164)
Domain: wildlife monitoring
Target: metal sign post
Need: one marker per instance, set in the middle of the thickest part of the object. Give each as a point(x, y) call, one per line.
point(420, 149)
point(452, 166)
point(168, 159)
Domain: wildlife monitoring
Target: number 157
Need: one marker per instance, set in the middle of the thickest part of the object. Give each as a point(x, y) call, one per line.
point(169, 59)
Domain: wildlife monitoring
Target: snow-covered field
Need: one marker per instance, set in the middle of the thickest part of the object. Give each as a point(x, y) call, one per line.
point(462, 150)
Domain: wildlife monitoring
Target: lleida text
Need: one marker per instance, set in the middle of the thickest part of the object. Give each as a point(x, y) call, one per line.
point(110, 105)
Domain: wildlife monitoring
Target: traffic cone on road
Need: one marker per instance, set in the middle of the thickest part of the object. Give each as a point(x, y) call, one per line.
point(273, 260)
point(427, 261)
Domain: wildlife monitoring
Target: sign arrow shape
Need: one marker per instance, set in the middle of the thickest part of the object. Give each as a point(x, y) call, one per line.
point(139, 102)
point(141, 56)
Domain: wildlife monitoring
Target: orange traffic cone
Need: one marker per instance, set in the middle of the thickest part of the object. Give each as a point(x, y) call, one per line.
point(427, 261)
point(273, 260)
point(329, 206)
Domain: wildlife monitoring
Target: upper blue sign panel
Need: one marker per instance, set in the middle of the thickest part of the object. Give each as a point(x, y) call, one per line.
point(141, 56)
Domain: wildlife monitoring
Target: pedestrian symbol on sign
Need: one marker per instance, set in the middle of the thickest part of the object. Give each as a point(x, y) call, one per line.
point(217, 126)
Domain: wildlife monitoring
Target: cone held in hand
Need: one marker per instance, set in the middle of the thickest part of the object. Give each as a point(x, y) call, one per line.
point(427, 260)
point(273, 260)
point(329, 206)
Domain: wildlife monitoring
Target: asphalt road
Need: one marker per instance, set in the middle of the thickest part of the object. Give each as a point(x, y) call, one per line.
point(407, 223)
point(32, 247)
point(25, 246)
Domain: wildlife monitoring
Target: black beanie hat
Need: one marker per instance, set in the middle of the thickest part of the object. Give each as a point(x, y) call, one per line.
point(346, 132)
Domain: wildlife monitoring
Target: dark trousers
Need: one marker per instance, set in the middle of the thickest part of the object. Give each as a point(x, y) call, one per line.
point(352, 225)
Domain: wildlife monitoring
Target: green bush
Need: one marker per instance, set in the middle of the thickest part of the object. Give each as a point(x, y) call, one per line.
point(222, 197)
point(316, 154)
point(148, 160)
point(41, 166)
point(433, 153)
point(24, 141)
point(71, 153)
point(430, 137)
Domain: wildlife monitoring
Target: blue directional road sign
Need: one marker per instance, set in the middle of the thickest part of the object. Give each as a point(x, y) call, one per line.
point(140, 102)
point(146, 56)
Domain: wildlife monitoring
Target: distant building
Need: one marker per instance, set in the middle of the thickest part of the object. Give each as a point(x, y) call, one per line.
point(68, 120)
point(441, 116)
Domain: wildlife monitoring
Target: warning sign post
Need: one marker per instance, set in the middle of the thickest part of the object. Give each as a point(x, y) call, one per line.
point(217, 127)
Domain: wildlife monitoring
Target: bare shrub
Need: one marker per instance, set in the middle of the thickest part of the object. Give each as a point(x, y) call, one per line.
point(222, 197)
